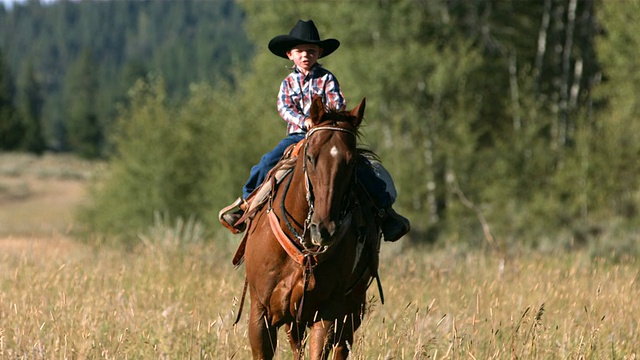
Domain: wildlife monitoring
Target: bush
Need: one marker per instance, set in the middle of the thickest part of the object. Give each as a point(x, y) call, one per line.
point(164, 162)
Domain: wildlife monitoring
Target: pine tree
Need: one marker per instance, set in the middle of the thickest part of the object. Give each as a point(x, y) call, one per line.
point(84, 134)
point(614, 170)
point(31, 102)
point(11, 130)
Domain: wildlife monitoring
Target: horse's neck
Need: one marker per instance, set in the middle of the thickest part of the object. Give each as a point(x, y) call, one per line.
point(295, 197)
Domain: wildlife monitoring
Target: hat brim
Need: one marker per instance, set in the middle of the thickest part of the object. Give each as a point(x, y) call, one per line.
point(279, 45)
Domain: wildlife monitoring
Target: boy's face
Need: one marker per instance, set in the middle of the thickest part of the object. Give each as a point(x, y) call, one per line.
point(305, 56)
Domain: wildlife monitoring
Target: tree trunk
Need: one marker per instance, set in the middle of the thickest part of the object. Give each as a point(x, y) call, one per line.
point(542, 44)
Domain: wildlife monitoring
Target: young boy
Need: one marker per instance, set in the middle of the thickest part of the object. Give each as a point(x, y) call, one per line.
point(308, 80)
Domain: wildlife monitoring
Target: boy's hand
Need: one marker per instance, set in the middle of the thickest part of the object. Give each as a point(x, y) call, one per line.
point(308, 123)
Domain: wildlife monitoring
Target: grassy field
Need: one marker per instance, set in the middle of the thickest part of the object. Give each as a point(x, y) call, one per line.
point(62, 299)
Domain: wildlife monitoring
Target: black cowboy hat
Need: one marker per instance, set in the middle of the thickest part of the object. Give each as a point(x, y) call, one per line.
point(304, 32)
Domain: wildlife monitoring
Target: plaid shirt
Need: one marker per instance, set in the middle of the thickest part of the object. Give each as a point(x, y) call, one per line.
point(297, 92)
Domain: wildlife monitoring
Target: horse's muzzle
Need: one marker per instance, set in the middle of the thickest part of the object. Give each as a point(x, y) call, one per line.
point(322, 233)
point(327, 235)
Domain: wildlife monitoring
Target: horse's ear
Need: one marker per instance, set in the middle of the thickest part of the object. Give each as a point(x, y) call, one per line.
point(317, 110)
point(358, 112)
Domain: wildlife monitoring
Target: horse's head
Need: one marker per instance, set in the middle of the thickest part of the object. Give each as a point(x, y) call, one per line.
point(330, 157)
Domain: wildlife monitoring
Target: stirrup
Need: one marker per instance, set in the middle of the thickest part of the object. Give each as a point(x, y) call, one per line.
point(238, 204)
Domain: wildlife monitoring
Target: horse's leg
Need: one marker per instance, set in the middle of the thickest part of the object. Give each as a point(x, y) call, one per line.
point(345, 330)
point(295, 334)
point(321, 339)
point(262, 336)
point(344, 336)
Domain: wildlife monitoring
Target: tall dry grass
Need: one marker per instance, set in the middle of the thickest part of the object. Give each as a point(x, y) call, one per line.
point(175, 296)
point(81, 302)
point(60, 299)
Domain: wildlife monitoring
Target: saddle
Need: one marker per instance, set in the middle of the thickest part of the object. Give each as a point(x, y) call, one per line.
point(259, 197)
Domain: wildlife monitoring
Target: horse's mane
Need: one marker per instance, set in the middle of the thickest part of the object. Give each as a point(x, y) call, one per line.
point(335, 116)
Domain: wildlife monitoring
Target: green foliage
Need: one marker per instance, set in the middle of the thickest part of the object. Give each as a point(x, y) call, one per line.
point(184, 41)
point(466, 102)
point(81, 94)
point(487, 114)
point(615, 131)
point(11, 129)
point(126, 197)
point(173, 159)
point(133, 189)
point(30, 107)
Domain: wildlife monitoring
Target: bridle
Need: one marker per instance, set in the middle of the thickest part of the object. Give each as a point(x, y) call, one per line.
point(300, 237)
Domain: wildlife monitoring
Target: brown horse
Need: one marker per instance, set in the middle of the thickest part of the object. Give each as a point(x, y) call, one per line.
point(311, 252)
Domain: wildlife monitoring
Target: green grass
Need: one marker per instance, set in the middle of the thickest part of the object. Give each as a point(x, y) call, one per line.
point(66, 300)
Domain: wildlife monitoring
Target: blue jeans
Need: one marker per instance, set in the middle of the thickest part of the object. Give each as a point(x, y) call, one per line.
point(375, 186)
point(267, 162)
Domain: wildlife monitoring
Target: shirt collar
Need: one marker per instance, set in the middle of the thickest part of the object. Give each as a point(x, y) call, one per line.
point(313, 70)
